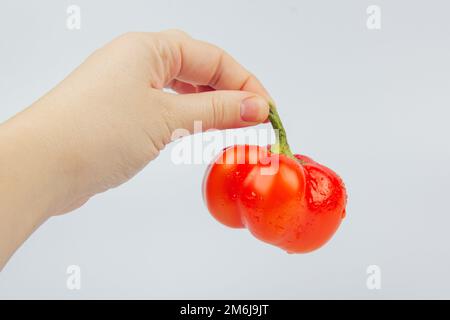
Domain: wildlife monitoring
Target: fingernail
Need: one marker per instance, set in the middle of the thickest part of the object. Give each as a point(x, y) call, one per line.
point(253, 109)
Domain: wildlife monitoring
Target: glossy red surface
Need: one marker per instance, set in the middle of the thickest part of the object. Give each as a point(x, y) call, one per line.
point(298, 207)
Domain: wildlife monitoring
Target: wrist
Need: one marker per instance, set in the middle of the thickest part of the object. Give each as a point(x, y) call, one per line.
point(32, 172)
point(25, 200)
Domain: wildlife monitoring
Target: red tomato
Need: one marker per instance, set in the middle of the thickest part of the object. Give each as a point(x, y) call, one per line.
point(293, 203)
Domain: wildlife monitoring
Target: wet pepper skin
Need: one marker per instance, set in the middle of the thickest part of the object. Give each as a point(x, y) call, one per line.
point(297, 208)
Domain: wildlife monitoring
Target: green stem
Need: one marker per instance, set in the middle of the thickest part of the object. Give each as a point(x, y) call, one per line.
point(281, 145)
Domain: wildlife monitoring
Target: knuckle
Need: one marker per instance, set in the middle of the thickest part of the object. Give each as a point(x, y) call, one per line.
point(135, 37)
point(176, 32)
point(221, 55)
point(129, 36)
point(218, 111)
point(128, 40)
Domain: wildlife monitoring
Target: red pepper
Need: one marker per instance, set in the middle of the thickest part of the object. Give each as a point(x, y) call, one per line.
point(296, 205)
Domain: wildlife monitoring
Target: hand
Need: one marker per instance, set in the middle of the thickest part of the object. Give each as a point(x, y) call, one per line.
point(110, 117)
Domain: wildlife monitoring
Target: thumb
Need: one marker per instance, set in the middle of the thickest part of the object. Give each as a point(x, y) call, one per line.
point(220, 109)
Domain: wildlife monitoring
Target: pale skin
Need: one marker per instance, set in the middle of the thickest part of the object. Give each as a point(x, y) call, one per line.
point(109, 118)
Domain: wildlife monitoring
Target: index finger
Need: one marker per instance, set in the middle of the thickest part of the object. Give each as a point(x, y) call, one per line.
point(202, 63)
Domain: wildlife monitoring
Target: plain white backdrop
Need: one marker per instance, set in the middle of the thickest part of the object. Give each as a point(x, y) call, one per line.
point(371, 104)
